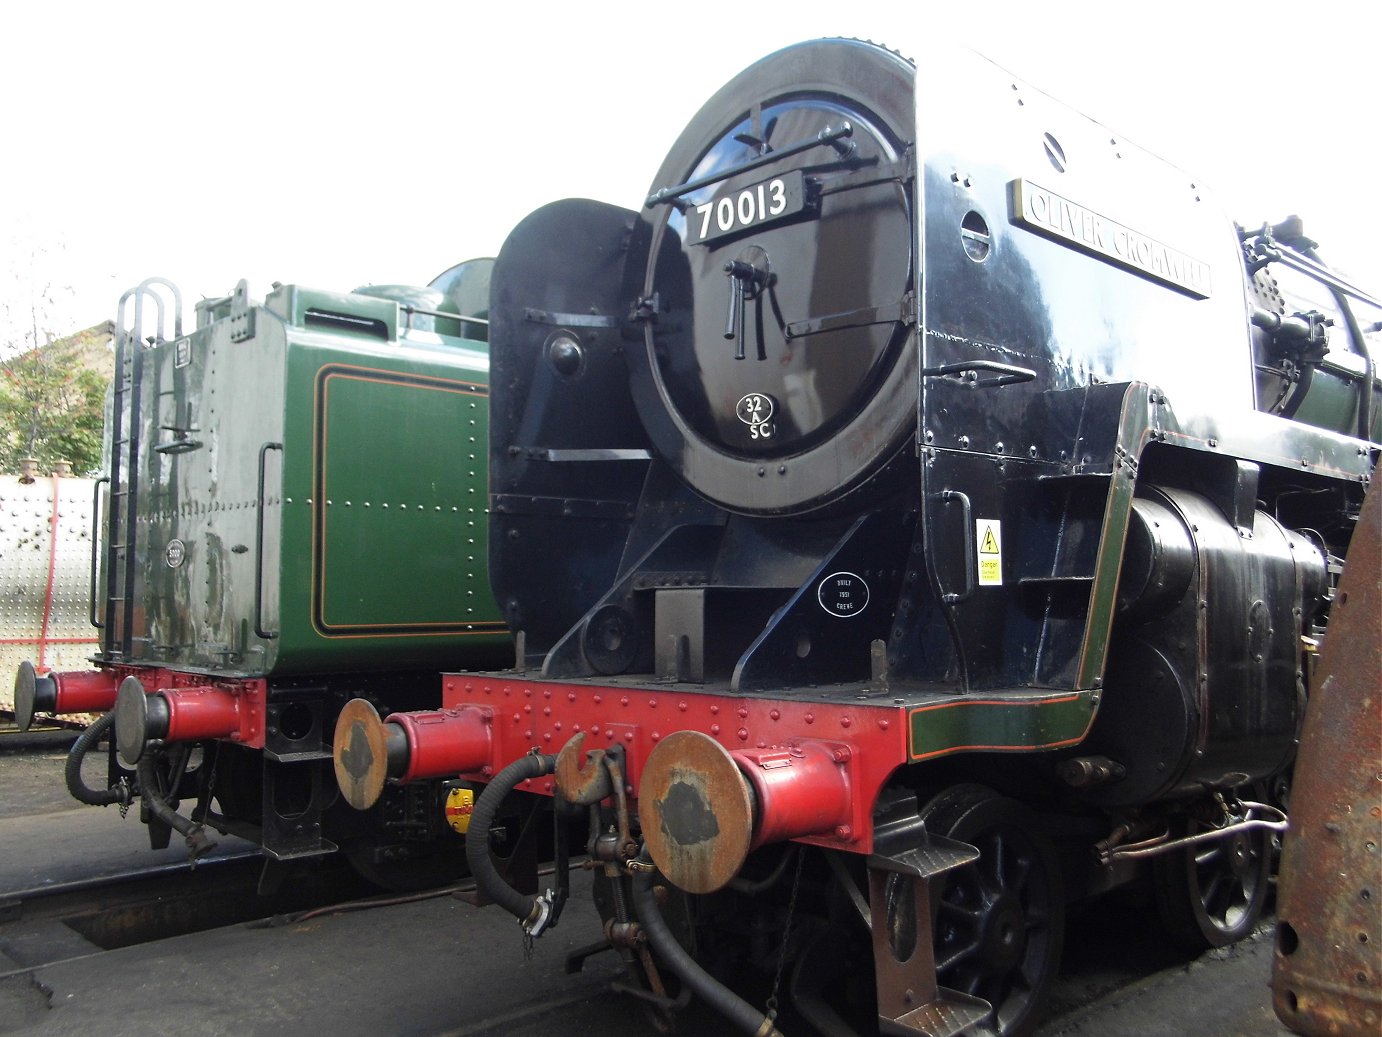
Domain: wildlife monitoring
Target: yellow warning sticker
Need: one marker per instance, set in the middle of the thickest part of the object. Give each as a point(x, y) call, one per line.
point(989, 535)
point(460, 804)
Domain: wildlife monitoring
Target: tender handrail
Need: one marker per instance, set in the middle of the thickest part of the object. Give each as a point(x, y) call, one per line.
point(267, 635)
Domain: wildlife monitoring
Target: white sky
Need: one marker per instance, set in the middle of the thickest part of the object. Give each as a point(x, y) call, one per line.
point(340, 144)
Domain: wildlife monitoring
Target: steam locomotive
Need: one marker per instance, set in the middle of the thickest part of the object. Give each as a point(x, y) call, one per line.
point(912, 518)
point(282, 481)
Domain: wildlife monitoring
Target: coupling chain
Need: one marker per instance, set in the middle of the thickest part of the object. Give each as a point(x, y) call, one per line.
point(771, 1003)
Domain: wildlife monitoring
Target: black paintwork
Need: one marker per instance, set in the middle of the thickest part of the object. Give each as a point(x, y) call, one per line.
point(932, 362)
point(559, 520)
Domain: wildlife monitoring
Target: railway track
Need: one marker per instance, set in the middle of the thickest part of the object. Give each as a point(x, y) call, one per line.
point(64, 921)
point(71, 948)
point(1112, 986)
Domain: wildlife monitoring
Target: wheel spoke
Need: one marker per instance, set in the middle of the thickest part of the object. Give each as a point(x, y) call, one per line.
point(1022, 872)
point(966, 976)
point(1223, 892)
point(1000, 858)
point(998, 927)
point(955, 957)
point(959, 912)
point(1208, 855)
point(1211, 893)
point(972, 885)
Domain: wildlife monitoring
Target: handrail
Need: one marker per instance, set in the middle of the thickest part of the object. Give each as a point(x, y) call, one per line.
point(1008, 374)
point(830, 135)
point(259, 630)
point(971, 549)
point(96, 545)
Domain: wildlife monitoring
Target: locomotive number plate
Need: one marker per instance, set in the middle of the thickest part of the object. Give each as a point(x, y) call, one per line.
point(740, 209)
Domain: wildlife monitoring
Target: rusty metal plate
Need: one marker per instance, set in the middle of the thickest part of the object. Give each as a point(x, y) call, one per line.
point(696, 812)
point(359, 753)
point(582, 784)
point(1327, 971)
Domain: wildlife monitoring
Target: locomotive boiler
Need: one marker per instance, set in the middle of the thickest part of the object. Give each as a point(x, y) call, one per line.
point(283, 479)
point(914, 516)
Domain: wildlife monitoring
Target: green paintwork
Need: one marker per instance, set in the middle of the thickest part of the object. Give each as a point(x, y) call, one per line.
point(1333, 397)
point(384, 507)
point(1012, 722)
point(374, 553)
point(1133, 424)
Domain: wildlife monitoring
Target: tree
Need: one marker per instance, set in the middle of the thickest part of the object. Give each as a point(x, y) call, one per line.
point(52, 402)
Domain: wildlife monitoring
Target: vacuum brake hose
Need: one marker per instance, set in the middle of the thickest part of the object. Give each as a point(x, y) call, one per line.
point(81, 791)
point(710, 990)
point(193, 833)
point(531, 911)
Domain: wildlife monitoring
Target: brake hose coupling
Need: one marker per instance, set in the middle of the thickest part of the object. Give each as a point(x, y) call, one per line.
point(541, 916)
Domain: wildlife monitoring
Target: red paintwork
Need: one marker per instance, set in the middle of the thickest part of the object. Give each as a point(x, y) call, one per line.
point(86, 691)
point(230, 709)
point(546, 715)
point(94, 691)
point(801, 790)
point(200, 712)
point(445, 742)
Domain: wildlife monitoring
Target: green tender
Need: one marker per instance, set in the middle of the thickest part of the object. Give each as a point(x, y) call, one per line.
point(370, 438)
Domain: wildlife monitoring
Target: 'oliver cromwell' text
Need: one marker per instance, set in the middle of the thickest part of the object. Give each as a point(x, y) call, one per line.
point(1045, 211)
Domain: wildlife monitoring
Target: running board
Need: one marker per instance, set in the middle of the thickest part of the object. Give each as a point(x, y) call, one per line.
point(909, 999)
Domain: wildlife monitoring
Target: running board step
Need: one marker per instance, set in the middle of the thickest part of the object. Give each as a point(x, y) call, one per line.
point(309, 846)
point(909, 999)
